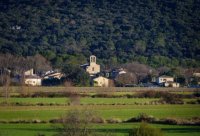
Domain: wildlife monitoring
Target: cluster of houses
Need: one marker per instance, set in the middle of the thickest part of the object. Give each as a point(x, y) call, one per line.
point(32, 79)
point(103, 81)
point(98, 78)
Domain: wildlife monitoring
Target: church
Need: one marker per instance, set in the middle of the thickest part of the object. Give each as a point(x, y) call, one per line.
point(92, 68)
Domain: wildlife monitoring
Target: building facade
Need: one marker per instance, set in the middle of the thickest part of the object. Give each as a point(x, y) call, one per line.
point(29, 72)
point(101, 82)
point(33, 80)
point(93, 67)
point(171, 84)
point(164, 79)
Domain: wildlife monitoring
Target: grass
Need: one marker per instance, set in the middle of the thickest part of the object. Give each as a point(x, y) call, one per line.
point(105, 111)
point(125, 110)
point(82, 100)
point(85, 100)
point(120, 129)
point(17, 89)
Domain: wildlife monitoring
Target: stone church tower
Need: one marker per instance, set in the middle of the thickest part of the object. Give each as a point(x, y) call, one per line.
point(93, 68)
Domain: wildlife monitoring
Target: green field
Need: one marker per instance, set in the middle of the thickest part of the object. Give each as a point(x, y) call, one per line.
point(86, 100)
point(120, 129)
point(121, 108)
point(105, 111)
point(30, 89)
point(82, 100)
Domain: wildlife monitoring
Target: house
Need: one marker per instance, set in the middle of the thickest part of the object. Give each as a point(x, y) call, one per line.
point(101, 81)
point(92, 68)
point(33, 80)
point(29, 72)
point(171, 84)
point(116, 72)
point(164, 79)
point(167, 81)
point(196, 74)
point(53, 74)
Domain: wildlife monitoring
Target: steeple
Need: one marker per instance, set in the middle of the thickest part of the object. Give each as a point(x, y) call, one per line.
point(92, 59)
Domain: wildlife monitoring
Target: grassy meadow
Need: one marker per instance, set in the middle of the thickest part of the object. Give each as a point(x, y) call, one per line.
point(121, 108)
point(120, 129)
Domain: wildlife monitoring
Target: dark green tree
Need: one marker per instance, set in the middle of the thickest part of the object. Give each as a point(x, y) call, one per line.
point(76, 75)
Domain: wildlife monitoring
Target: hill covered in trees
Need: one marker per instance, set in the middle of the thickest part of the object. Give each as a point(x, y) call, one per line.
point(157, 33)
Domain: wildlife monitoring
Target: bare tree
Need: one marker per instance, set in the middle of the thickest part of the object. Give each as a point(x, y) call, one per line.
point(40, 63)
point(76, 123)
point(128, 78)
point(74, 97)
point(139, 70)
point(6, 86)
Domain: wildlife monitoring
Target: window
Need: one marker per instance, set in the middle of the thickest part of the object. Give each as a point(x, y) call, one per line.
point(92, 68)
point(93, 59)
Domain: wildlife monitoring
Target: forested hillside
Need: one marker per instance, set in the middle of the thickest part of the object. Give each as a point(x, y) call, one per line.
point(153, 32)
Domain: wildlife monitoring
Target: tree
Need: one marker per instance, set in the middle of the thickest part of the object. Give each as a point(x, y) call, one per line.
point(127, 78)
point(76, 123)
point(40, 63)
point(6, 85)
point(139, 70)
point(76, 75)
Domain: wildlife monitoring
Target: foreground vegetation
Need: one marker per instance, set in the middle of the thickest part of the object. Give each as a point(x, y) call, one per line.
point(122, 112)
point(118, 112)
point(120, 129)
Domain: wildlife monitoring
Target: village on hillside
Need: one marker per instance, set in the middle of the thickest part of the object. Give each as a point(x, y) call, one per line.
point(102, 78)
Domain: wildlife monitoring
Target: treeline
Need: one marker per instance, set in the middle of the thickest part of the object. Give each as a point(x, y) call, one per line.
point(16, 65)
point(157, 33)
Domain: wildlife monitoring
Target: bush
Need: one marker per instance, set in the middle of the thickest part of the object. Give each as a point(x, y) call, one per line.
point(103, 95)
point(151, 94)
point(172, 99)
point(113, 120)
point(178, 121)
point(142, 117)
point(76, 123)
point(145, 130)
point(197, 93)
point(97, 120)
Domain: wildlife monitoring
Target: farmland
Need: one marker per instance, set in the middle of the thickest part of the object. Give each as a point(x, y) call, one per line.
point(109, 111)
point(120, 129)
point(111, 105)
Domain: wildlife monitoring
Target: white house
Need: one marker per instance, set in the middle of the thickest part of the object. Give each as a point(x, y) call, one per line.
point(164, 79)
point(167, 81)
point(33, 80)
point(196, 74)
point(171, 84)
point(29, 72)
point(101, 81)
point(57, 75)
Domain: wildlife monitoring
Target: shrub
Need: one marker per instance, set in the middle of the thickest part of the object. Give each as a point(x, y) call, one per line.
point(97, 120)
point(145, 130)
point(198, 101)
point(76, 123)
point(178, 121)
point(142, 117)
point(197, 93)
point(151, 94)
point(113, 120)
point(172, 99)
point(103, 95)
